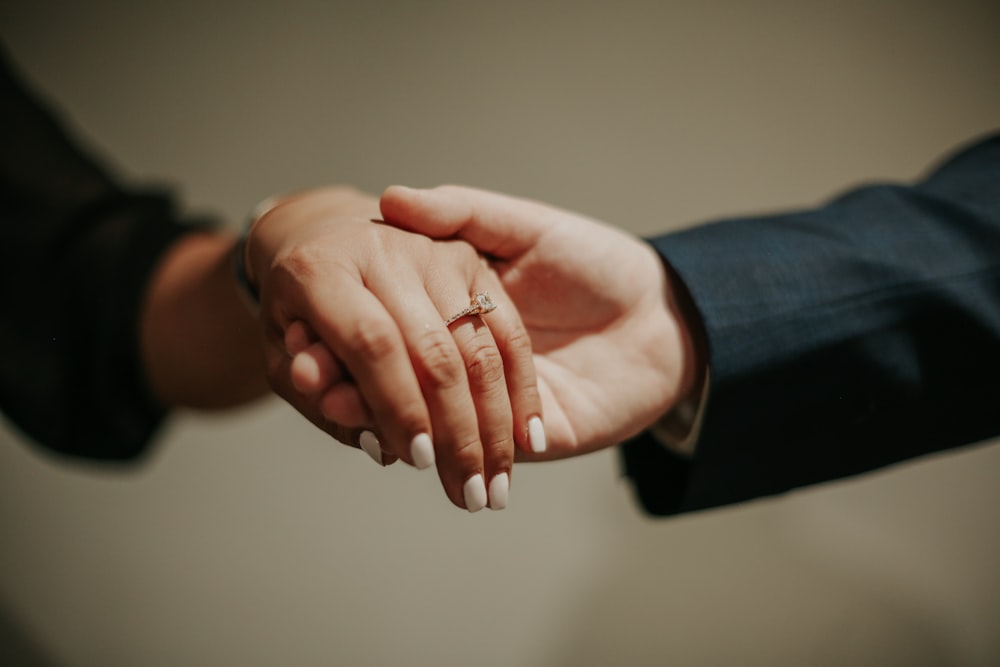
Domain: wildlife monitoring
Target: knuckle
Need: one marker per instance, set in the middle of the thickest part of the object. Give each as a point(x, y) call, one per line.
point(466, 457)
point(518, 343)
point(375, 340)
point(439, 361)
point(485, 366)
point(297, 262)
point(500, 450)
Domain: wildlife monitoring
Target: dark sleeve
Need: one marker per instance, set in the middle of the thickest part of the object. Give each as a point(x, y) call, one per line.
point(841, 339)
point(76, 252)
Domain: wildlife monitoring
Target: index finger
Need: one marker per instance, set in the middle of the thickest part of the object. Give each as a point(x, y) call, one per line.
point(368, 342)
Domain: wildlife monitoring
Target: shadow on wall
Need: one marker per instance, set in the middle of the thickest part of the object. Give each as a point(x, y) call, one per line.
point(18, 646)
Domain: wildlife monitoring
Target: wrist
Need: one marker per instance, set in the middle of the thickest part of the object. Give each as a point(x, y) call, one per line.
point(200, 348)
point(243, 270)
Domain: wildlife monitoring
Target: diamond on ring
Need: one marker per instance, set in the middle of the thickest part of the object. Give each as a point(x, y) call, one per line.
point(480, 304)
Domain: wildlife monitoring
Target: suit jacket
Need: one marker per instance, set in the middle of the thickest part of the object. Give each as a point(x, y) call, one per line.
point(840, 339)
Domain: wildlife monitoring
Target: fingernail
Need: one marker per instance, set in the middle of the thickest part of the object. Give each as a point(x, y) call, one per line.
point(499, 491)
point(422, 451)
point(305, 373)
point(475, 493)
point(370, 444)
point(536, 435)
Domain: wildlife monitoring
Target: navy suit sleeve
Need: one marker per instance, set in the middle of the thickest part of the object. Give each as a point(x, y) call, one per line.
point(840, 339)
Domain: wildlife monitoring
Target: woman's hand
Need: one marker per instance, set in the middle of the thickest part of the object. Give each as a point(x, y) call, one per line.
point(354, 315)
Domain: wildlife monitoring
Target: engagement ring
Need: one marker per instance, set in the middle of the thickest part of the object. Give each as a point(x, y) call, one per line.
point(480, 305)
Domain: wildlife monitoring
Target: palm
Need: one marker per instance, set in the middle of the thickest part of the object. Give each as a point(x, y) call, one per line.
point(591, 299)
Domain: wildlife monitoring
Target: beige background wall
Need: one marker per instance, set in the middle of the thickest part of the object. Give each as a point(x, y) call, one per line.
point(251, 539)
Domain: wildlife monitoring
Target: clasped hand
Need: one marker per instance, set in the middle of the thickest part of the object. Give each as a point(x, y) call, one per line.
point(586, 334)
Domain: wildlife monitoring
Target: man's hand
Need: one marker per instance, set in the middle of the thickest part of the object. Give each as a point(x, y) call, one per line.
point(611, 350)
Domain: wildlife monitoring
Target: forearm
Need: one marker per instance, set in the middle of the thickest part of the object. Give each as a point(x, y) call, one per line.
point(842, 339)
point(200, 345)
point(87, 262)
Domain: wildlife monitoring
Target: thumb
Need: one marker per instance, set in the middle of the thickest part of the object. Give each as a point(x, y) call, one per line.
point(495, 224)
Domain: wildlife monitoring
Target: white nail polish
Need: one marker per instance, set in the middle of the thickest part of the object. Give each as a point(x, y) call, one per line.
point(536, 435)
point(499, 491)
point(371, 445)
point(475, 493)
point(422, 451)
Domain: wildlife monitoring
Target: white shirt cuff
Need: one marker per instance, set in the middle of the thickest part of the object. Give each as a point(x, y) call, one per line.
point(679, 429)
